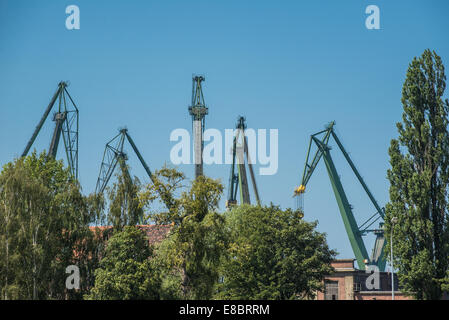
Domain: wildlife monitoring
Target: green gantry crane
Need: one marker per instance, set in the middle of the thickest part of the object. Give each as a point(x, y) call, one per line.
point(66, 124)
point(239, 179)
point(355, 232)
point(113, 155)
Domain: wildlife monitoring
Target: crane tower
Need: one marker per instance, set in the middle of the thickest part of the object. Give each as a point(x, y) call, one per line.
point(239, 180)
point(198, 111)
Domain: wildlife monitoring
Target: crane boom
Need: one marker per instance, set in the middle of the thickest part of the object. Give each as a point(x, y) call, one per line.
point(354, 232)
point(38, 128)
point(114, 154)
point(66, 124)
point(359, 177)
point(142, 161)
point(350, 224)
point(109, 163)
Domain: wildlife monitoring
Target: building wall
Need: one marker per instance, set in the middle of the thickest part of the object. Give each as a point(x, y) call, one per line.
point(383, 295)
point(352, 284)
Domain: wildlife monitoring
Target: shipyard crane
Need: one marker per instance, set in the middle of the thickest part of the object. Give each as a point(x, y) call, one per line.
point(354, 232)
point(239, 179)
point(198, 111)
point(66, 124)
point(113, 155)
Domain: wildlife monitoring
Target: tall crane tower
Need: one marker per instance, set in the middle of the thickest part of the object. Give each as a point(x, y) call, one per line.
point(114, 154)
point(66, 124)
point(198, 111)
point(239, 179)
point(354, 232)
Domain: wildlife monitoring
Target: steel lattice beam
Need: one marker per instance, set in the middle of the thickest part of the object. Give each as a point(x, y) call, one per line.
point(114, 154)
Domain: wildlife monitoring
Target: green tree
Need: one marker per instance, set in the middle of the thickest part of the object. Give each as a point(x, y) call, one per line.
point(419, 178)
point(44, 228)
point(126, 271)
point(191, 254)
point(274, 254)
point(164, 190)
point(124, 208)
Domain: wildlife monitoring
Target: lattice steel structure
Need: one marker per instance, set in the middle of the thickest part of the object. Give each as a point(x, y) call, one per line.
point(66, 124)
point(239, 180)
point(114, 154)
point(198, 111)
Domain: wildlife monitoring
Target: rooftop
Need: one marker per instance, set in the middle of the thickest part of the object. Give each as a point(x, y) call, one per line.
point(155, 233)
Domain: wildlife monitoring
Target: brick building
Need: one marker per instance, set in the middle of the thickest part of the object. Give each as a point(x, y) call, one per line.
point(155, 233)
point(349, 283)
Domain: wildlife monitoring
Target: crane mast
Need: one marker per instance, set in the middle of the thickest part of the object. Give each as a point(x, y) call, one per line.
point(355, 233)
point(198, 111)
point(239, 179)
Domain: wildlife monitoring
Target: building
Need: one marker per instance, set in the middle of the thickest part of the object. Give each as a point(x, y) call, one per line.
point(349, 283)
point(155, 233)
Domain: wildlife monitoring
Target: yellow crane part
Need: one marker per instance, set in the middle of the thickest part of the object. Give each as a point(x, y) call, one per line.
point(301, 189)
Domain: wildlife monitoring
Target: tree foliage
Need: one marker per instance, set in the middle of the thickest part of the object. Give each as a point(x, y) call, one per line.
point(273, 254)
point(43, 229)
point(164, 190)
point(419, 178)
point(126, 271)
point(263, 253)
point(124, 208)
point(191, 254)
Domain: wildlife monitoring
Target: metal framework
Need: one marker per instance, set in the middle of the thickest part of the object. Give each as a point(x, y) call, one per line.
point(239, 179)
point(355, 232)
point(113, 155)
point(198, 111)
point(66, 123)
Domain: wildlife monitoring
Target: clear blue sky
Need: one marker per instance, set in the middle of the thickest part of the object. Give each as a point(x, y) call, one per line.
point(289, 65)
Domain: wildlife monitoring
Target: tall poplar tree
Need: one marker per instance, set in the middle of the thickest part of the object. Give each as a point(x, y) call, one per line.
point(419, 180)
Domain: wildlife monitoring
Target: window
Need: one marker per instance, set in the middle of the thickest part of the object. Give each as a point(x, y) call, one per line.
point(331, 290)
point(357, 287)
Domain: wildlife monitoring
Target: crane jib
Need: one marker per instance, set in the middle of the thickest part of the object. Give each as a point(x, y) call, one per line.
point(353, 231)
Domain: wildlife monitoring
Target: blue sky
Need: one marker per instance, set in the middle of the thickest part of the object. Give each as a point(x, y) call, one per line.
point(288, 65)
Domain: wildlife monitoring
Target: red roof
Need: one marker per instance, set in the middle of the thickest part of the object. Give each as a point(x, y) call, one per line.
point(155, 233)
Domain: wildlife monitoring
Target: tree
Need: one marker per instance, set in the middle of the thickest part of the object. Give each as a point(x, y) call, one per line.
point(126, 271)
point(164, 190)
point(43, 228)
point(124, 209)
point(273, 254)
point(419, 178)
point(191, 254)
